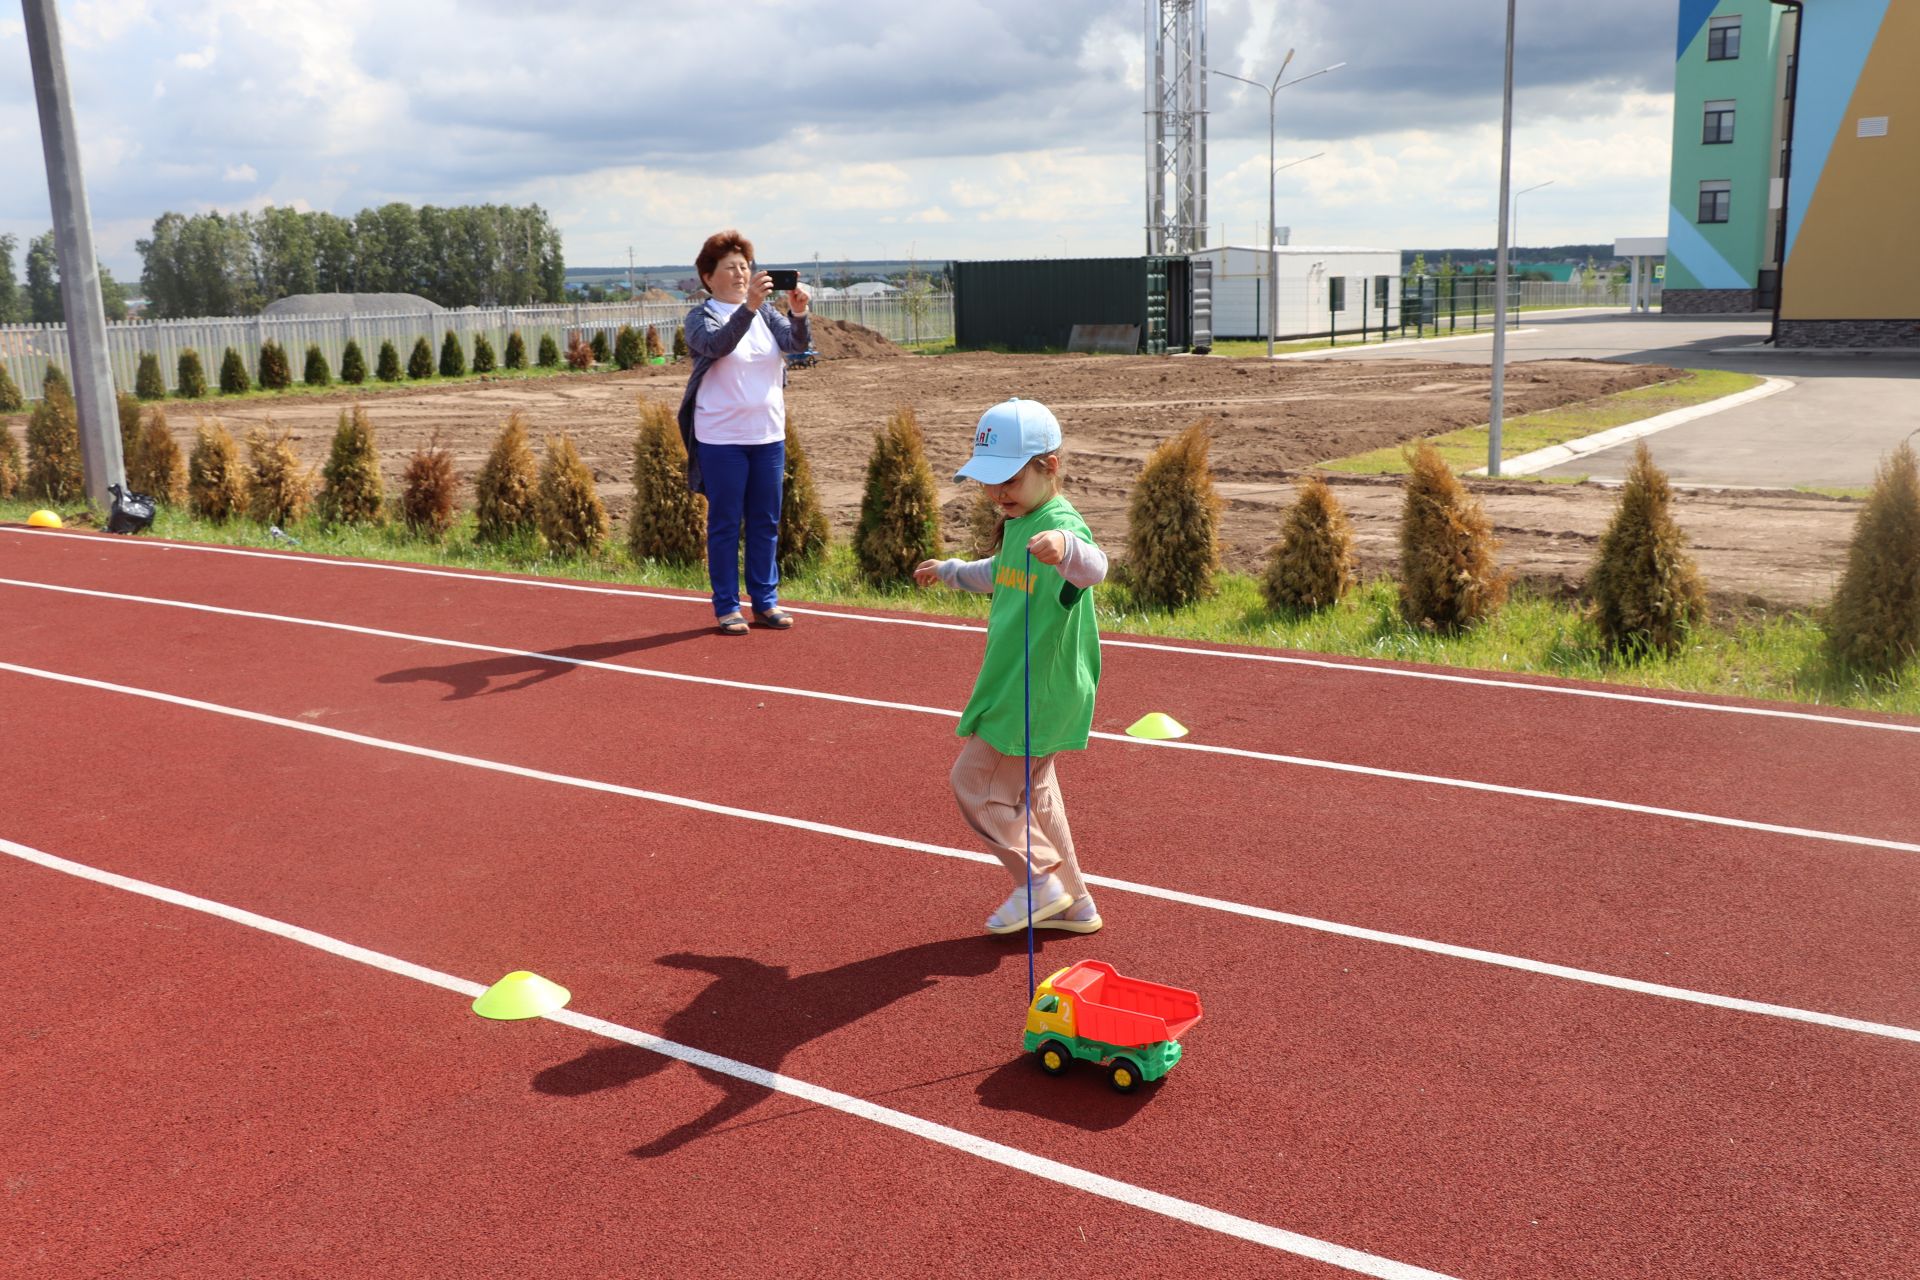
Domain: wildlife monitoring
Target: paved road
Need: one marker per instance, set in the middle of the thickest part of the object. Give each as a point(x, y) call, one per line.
point(1844, 413)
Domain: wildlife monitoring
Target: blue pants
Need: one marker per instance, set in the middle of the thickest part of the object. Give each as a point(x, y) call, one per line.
point(743, 489)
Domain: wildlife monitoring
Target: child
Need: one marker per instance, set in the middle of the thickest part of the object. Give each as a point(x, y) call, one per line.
point(1040, 580)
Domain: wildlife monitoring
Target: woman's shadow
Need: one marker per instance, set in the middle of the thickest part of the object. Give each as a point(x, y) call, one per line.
point(759, 1013)
point(468, 679)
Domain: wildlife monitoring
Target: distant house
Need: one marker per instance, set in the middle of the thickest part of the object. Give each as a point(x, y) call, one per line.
point(871, 289)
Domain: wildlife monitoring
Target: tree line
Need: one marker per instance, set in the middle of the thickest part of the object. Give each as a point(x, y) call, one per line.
point(37, 300)
point(215, 264)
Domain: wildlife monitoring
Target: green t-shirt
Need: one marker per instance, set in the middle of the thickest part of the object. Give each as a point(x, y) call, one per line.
point(1065, 645)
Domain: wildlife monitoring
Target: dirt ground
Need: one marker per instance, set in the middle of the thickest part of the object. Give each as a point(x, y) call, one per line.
point(1758, 550)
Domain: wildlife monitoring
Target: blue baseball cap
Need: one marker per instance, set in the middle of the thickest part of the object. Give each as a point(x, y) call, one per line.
point(1010, 433)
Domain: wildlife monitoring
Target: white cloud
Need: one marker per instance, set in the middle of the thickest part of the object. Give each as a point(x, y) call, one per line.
point(197, 60)
point(241, 173)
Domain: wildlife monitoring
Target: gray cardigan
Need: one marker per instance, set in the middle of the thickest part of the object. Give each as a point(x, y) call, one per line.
point(709, 339)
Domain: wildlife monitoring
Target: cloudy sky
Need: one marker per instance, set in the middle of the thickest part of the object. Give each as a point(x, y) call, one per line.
point(845, 128)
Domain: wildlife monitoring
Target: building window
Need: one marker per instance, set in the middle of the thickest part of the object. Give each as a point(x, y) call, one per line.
point(1719, 122)
point(1715, 197)
point(1787, 91)
point(1723, 38)
point(1337, 293)
point(1380, 295)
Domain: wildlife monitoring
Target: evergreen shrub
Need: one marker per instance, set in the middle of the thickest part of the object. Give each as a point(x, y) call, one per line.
point(1313, 565)
point(420, 360)
point(626, 347)
point(572, 519)
point(1173, 523)
point(216, 482)
point(483, 360)
point(316, 373)
point(427, 491)
point(128, 408)
point(148, 383)
point(12, 470)
point(899, 512)
point(278, 491)
point(1646, 592)
point(352, 491)
point(453, 360)
point(234, 379)
point(549, 352)
point(654, 349)
point(668, 522)
point(579, 353)
point(1873, 624)
point(516, 351)
point(679, 345)
point(276, 373)
point(353, 363)
point(53, 448)
point(504, 490)
point(602, 350)
point(1448, 576)
point(155, 467)
point(11, 401)
point(804, 532)
point(191, 376)
point(387, 363)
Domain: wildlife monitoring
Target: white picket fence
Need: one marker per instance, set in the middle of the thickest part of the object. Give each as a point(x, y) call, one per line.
point(27, 350)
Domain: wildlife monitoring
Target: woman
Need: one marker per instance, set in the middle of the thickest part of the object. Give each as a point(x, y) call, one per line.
point(733, 420)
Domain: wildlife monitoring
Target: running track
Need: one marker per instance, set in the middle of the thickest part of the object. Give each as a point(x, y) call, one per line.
point(1504, 977)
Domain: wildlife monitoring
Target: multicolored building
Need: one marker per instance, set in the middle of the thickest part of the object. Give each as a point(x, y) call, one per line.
point(1796, 167)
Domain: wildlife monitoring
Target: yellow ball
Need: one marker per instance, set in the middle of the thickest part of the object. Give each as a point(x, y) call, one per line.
point(44, 520)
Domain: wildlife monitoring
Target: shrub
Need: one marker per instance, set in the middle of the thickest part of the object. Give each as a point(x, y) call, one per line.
point(1448, 578)
point(233, 375)
point(453, 361)
point(654, 349)
point(504, 489)
point(387, 363)
point(128, 408)
point(216, 483)
point(427, 490)
point(55, 376)
point(155, 467)
point(276, 373)
point(804, 532)
point(148, 383)
point(899, 513)
point(191, 376)
point(571, 517)
point(1645, 589)
point(516, 351)
point(1874, 622)
point(549, 352)
point(11, 401)
point(984, 522)
point(278, 491)
point(679, 345)
point(353, 363)
point(316, 374)
point(1173, 523)
point(53, 448)
point(483, 361)
point(579, 354)
point(420, 362)
point(669, 521)
point(626, 347)
point(12, 472)
point(352, 491)
point(602, 352)
point(1313, 565)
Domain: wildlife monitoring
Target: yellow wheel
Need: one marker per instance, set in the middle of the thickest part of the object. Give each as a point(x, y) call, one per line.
point(1054, 1058)
point(1123, 1075)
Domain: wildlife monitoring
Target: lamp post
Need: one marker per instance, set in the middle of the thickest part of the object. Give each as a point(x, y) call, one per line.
point(1516, 207)
point(1273, 255)
point(1496, 398)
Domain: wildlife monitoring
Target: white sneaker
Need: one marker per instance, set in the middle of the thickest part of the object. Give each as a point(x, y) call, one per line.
point(1081, 917)
point(1049, 899)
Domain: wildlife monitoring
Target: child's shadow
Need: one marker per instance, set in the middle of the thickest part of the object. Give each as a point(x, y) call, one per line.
point(758, 1013)
point(467, 679)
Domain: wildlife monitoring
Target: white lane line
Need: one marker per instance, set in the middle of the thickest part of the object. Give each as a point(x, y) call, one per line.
point(1185, 1211)
point(1522, 963)
point(933, 624)
point(1247, 753)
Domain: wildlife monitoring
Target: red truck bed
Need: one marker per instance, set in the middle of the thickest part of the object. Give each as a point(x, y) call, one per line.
point(1123, 1011)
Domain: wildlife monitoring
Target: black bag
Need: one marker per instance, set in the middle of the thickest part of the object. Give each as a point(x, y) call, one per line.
point(130, 513)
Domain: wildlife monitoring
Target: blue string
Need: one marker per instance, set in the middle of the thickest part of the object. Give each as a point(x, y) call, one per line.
point(1026, 693)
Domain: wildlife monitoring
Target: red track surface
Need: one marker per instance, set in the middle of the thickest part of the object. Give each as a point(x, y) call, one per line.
point(189, 1096)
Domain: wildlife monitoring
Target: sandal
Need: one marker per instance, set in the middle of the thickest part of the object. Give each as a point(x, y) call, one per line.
point(776, 619)
point(733, 624)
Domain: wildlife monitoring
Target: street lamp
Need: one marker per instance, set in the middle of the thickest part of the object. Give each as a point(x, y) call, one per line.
point(1497, 392)
point(1273, 255)
point(1516, 207)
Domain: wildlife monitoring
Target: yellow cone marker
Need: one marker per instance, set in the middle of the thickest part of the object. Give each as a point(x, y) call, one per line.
point(1157, 724)
point(521, 995)
point(44, 520)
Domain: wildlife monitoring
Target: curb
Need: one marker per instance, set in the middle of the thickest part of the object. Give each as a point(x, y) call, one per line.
point(1552, 456)
point(1397, 342)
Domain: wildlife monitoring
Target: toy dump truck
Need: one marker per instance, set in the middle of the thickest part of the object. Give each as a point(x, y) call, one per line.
point(1130, 1027)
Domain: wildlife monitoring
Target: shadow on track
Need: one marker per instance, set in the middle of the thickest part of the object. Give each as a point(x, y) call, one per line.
point(759, 1013)
point(468, 679)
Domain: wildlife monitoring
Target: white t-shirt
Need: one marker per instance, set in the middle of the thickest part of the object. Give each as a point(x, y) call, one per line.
point(740, 398)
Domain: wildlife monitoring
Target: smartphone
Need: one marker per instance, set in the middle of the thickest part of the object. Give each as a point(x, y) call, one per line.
point(784, 279)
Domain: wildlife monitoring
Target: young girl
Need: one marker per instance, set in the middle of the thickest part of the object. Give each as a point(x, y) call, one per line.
point(1042, 620)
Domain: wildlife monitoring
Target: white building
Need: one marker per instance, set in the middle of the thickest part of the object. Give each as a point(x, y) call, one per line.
point(1320, 287)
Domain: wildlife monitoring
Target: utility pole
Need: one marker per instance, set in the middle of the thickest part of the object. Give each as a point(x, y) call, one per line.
point(100, 459)
point(1496, 404)
point(629, 273)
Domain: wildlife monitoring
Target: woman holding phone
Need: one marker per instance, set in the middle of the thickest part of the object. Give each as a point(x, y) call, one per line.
point(733, 420)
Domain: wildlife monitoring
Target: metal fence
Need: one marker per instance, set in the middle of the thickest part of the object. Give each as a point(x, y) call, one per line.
point(27, 350)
